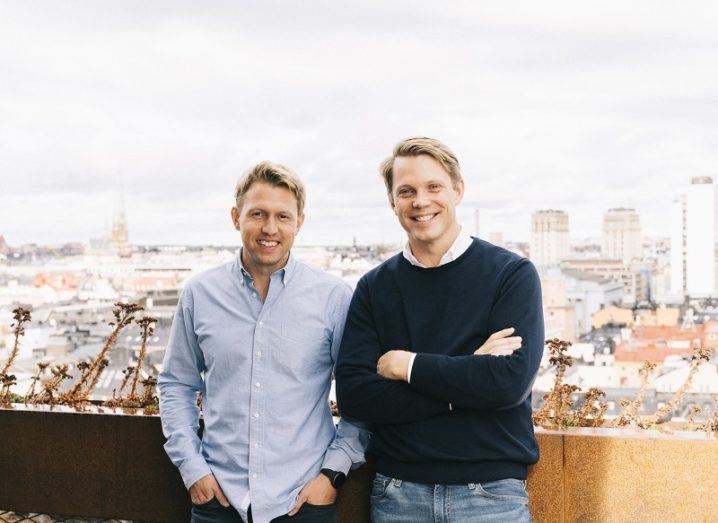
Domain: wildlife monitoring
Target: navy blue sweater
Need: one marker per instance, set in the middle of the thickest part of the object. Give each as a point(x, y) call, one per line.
point(444, 314)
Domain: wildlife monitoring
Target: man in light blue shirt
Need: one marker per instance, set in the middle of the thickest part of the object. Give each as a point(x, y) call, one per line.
point(259, 337)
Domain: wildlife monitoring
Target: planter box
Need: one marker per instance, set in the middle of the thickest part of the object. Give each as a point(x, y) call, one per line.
point(58, 461)
point(615, 475)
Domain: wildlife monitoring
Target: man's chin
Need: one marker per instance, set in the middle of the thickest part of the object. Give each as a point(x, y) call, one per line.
point(423, 236)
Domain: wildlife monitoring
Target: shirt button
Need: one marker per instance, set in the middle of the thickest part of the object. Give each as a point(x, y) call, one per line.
point(254, 476)
point(261, 323)
point(256, 414)
point(257, 384)
point(259, 353)
point(256, 445)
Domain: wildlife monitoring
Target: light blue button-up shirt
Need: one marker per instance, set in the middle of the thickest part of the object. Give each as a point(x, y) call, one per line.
point(264, 369)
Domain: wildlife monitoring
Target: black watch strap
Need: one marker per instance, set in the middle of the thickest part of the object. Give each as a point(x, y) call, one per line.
point(337, 479)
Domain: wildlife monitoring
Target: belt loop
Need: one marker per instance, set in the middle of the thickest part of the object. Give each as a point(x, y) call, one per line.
point(397, 482)
point(472, 486)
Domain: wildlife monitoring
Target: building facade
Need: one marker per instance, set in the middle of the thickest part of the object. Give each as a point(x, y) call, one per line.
point(693, 256)
point(549, 238)
point(622, 235)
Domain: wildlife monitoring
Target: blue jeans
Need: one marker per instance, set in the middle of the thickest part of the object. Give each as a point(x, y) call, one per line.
point(397, 501)
point(214, 512)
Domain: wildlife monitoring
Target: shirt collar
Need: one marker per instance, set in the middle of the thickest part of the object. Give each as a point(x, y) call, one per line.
point(285, 272)
point(461, 243)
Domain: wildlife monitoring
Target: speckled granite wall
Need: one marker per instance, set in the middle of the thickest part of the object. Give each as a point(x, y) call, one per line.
point(113, 466)
point(626, 476)
point(603, 476)
point(545, 481)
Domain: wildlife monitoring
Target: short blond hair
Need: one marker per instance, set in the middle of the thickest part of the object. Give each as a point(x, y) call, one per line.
point(274, 174)
point(416, 146)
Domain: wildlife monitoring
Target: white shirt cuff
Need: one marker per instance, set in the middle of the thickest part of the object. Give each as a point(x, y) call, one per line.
point(411, 364)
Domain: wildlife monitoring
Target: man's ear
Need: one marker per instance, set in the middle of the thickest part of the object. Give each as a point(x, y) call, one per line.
point(391, 202)
point(459, 190)
point(235, 217)
point(300, 221)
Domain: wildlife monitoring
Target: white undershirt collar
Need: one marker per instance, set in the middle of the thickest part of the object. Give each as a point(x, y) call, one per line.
point(461, 243)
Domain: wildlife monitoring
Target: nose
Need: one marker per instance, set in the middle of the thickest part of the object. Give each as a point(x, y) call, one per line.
point(420, 200)
point(270, 226)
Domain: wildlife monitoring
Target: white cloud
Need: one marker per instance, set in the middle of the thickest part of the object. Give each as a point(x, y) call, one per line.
point(569, 105)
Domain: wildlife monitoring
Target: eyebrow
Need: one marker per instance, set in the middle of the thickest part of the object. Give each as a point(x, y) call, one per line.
point(270, 211)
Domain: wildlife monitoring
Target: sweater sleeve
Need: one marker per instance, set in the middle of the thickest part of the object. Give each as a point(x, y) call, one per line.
point(363, 394)
point(492, 382)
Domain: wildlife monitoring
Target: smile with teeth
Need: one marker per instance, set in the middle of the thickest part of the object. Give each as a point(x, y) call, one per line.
point(267, 243)
point(423, 217)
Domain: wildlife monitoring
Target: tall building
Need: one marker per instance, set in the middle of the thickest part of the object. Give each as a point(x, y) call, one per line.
point(120, 236)
point(678, 247)
point(693, 259)
point(549, 237)
point(622, 235)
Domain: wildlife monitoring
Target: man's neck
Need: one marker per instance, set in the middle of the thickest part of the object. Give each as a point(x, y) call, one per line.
point(429, 254)
point(261, 274)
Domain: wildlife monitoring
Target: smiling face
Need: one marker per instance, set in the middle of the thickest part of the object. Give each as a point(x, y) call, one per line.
point(424, 200)
point(269, 220)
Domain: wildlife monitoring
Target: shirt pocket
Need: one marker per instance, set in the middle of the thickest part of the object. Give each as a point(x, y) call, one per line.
point(303, 345)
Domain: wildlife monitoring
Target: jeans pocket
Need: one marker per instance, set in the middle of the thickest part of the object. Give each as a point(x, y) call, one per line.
point(510, 490)
point(379, 486)
point(212, 502)
point(312, 506)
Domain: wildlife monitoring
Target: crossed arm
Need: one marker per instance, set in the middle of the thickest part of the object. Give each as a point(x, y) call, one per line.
point(496, 376)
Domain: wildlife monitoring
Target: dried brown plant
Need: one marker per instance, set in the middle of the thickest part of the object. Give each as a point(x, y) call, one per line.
point(557, 403)
point(6, 381)
point(80, 393)
point(47, 395)
point(29, 396)
point(711, 425)
point(629, 412)
point(146, 324)
point(128, 372)
point(700, 355)
point(593, 409)
point(133, 400)
point(150, 402)
point(690, 419)
point(21, 316)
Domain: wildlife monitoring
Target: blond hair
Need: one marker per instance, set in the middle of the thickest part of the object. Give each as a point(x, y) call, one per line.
point(416, 146)
point(274, 174)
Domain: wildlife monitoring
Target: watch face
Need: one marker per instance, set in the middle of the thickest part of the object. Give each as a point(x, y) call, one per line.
point(336, 478)
point(339, 479)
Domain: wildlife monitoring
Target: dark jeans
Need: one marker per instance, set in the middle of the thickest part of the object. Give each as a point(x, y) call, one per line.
point(213, 512)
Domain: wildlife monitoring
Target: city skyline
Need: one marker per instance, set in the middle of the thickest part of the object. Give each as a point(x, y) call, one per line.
point(574, 109)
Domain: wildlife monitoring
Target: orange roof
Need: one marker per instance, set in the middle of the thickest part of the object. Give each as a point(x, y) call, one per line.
point(654, 343)
point(58, 280)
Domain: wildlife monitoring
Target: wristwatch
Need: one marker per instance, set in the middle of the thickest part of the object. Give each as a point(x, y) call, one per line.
point(336, 478)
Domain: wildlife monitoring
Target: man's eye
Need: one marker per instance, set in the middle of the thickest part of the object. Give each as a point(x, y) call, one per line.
point(434, 187)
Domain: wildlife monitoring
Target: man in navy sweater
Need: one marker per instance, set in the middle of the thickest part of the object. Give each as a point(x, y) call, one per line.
point(441, 347)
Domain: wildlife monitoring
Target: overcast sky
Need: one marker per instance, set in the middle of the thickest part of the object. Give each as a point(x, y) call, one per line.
point(579, 106)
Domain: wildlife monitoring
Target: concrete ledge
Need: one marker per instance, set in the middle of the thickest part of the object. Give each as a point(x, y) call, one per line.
point(617, 475)
point(113, 466)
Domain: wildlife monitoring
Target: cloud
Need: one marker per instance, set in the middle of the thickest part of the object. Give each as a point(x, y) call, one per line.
point(568, 105)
